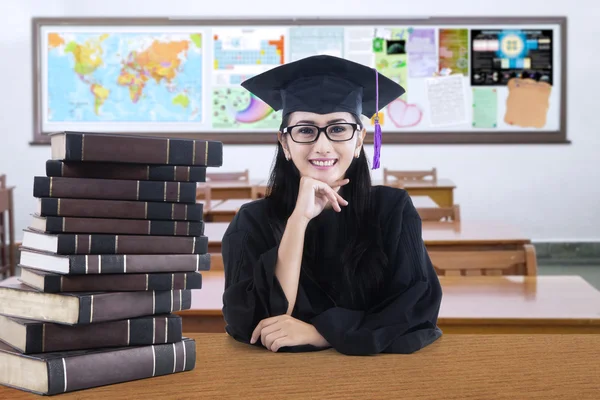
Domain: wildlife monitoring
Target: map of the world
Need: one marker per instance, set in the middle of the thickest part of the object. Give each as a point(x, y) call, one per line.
point(124, 77)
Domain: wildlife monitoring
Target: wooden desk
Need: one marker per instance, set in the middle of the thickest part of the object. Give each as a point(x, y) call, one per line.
point(230, 190)
point(225, 210)
point(472, 235)
point(7, 209)
point(215, 232)
point(455, 367)
point(487, 304)
point(436, 235)
point(440, 191)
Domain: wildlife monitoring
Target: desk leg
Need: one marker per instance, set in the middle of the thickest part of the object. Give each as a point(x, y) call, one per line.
point(11, 233)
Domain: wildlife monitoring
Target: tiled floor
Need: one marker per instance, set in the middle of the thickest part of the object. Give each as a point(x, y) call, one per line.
point(590, 273)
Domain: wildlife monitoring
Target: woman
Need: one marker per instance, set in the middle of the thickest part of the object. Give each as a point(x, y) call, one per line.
point(327, 260)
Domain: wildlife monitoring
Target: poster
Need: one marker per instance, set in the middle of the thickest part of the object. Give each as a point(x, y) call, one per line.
point(306, 41)
point(389, 47)
point(422, 56)
point(447, 101)
point(241, 53)
point(454, 51)
point(485, 108)
point(499, 55)
point(236, 108)
point(527, 103)
point(106, 80)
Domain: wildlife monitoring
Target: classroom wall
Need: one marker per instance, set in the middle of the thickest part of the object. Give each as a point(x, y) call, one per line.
point(551, 192)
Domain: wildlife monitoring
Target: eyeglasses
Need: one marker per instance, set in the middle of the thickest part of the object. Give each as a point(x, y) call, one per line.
point(339, 132)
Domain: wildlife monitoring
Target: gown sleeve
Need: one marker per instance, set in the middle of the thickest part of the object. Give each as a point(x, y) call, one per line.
point(252, 291)
point(406, 319)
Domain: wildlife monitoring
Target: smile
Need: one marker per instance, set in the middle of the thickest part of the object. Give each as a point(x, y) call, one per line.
point(322, 163)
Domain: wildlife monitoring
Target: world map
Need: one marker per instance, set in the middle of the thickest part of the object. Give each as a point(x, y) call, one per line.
point(124, 77)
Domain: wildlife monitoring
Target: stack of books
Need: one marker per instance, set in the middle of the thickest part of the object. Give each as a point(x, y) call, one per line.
point(114, 248)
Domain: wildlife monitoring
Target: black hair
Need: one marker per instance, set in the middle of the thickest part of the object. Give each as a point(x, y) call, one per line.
point(363, 261)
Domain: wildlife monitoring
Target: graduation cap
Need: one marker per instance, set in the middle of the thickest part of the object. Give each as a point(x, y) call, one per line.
point(325, 84)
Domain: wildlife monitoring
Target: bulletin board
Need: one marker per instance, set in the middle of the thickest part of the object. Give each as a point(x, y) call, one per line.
point(467, 80)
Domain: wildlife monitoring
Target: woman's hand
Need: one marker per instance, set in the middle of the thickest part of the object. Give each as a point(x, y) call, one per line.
point(314, 195)
point(284, 330)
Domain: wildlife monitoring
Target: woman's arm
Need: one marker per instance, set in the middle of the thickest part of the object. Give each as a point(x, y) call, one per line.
point(289, 258)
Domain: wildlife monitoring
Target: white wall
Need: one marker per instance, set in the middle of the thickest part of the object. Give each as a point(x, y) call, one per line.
point(551, 192)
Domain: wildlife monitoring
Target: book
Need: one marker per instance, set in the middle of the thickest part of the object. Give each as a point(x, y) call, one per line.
point(122, 209)
point(120, 148)
point(49, 282)
point(114, 189)
point(29, 336)
point(116, 226)
point(21, 301)
point(73, 243)
point(105, 170)
point(113, 264)
point(62, 372)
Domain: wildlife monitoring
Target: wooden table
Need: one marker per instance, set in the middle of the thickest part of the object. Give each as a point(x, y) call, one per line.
point(7, 209)
point(472, 235)
point(230, 190)
point(441, 191)
point(455, 367)
point(436, 235)
point(225, 210)
point(487, 304)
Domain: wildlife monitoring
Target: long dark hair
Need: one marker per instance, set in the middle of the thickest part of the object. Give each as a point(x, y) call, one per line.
point(363, 261)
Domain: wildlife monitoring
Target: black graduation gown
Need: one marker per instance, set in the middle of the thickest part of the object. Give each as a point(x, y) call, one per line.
point(403, 321)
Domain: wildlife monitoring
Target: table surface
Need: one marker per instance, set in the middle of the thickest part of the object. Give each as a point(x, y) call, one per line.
point(484, 300)
point(233, 205)
point(434, 233)
point(439, 184)
point(453, 367)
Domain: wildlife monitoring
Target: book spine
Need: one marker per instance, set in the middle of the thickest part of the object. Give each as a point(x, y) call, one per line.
point(71, 244)
point(162, 151)
point(64, 207)
point(114, 189)
point(123, 365)
point(49, 337)
point(122, 282)
point(114, 306)
point(136, 264)
point(104, 170)
point(123, 226)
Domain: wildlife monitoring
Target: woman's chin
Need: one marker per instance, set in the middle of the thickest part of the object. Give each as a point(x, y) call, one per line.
point(328, 177)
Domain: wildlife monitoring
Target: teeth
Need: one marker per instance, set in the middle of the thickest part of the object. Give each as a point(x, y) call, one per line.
point(323, 163)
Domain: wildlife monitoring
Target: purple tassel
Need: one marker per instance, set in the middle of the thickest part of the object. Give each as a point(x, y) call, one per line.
point(377, 133)
point(377, 143)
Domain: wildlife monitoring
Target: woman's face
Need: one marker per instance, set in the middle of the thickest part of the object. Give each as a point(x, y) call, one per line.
point(325, 160)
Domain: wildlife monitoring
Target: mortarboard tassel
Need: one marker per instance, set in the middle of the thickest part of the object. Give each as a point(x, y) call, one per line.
point(377, 133)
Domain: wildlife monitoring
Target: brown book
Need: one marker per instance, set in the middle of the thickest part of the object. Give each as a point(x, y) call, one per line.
point(21, 301)
point(72, 243)
point(114, 189)
point(61, 372)
point(104, 170)
point(49, 282)
point(113, 264)
point(120, 148)
point(121, 209)
point(29, 336)
point(116, 226)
